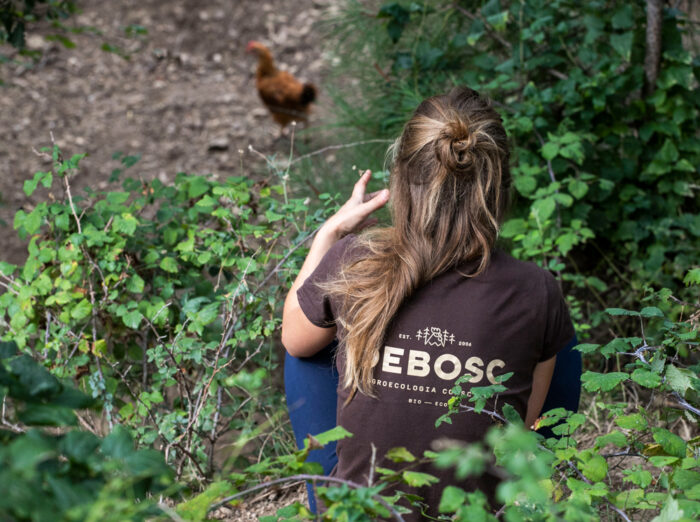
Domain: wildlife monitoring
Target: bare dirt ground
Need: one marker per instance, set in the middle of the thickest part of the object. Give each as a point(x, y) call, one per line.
point(185, 100)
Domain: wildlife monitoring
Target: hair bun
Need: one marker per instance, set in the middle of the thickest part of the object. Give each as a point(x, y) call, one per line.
point(454, 147)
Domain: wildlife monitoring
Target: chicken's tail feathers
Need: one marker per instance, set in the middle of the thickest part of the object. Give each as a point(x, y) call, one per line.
point(308, 93)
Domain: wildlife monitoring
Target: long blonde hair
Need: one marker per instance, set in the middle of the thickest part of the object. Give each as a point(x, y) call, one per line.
point(449, 189)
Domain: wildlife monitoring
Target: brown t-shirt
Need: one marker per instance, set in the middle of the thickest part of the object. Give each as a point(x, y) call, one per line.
point(507, 319)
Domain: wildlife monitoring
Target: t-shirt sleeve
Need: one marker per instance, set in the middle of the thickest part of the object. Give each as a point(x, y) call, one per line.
point(316, 305)
point(559, 329)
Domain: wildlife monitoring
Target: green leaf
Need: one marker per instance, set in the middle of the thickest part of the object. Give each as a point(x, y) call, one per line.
point(525, 184)
point(169, 265)
point(513, 227)
point(135, 284)
point(452, 499)
point(273, 216)
point(6, 268)
point(615, 437)
point(81, 310)
point(670, 512)
point(638, 476)
point(400, 454)
point(686, 478)
point(550, 150)
point(34, 380)
point(337, 433)
point(30, 450)
point(634, 421)
point(79, 446)
point(671, 443)
point(118, 444)
point(566, 241)
point(577, 188)
point(678, 379)
point(418, 479)
point(543, 208)
point(126, 224)
point(30, 185)
point(593, 381)
point(651, 311)
point(691, 278)
point(668, 153)
point(622, 43)
point(661, 461)
point(511, 414)
point(47, 415)
point(595, 469)
point(619, 311)
point(132, 319)
point(646, 378)
point(196, 508)
point(7, 349)
point(586, 347)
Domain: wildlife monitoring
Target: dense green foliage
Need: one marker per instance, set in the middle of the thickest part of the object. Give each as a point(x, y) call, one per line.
point(66, 474)
point(161, 302)
point(605, 175)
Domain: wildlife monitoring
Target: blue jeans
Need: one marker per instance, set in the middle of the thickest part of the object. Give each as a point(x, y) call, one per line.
point(311, 388)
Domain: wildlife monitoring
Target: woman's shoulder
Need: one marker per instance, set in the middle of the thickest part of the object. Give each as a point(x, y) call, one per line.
point(504, 266)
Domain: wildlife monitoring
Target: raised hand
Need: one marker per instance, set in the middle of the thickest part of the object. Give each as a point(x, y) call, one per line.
point(355, 214)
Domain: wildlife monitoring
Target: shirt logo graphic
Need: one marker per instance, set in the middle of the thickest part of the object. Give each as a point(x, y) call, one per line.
point(434, 336)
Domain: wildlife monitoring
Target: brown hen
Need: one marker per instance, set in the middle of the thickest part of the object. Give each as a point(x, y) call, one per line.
point(286, 98)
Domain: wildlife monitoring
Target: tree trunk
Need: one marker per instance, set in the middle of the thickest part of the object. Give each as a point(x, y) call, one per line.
point(653, 51)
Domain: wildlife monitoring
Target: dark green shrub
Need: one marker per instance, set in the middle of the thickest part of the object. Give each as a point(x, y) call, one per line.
point(162, 300)
point(50, 470)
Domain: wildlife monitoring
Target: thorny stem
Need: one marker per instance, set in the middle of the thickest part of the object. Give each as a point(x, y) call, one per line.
point(370, 479)
point(397, 516)
point(68, 193)
point(336, 147)
point(491, 414)
point(685, 403)
point(284, 259)
point(46, 333)
point(9, 288)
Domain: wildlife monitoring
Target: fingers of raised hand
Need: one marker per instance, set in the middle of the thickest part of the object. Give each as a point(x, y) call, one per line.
point(375, 200)
point(358, 190)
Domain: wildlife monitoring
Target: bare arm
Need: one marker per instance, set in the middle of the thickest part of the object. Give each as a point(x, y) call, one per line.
point(300, 336)
point(541, 379)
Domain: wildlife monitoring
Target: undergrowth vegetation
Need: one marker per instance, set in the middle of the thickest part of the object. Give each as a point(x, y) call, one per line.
point(140, 360)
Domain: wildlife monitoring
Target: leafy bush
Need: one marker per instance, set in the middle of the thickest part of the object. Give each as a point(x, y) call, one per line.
point(162, 301)
point(65, 473)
